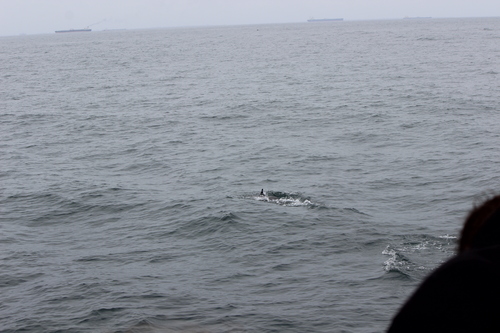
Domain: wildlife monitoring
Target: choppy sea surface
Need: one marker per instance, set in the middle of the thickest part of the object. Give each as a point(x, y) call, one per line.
point(132, 162)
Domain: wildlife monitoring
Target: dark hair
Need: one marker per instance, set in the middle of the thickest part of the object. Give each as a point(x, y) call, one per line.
point(482, 226)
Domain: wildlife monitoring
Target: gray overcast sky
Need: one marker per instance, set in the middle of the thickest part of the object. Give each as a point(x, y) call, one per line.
point(46, 16)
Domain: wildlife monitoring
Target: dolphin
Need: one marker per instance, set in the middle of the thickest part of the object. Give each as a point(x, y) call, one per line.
point(268, 197)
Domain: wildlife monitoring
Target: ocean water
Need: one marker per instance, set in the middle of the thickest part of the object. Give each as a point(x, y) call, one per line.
point(132, 162)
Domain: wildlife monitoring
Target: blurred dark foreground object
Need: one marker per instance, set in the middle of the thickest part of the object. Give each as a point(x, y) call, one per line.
point(462, 295)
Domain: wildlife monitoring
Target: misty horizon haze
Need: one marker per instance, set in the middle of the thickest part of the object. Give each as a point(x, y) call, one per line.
point(35, 17)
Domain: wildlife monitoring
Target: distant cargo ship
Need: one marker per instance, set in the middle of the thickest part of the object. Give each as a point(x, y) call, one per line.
point(416, 17)
point(87, 29)
point(325, 20)
point(73, 30)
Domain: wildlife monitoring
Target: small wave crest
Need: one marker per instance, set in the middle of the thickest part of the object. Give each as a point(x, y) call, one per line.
point(286, 199)
point(416, 255)
point(397, 262)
